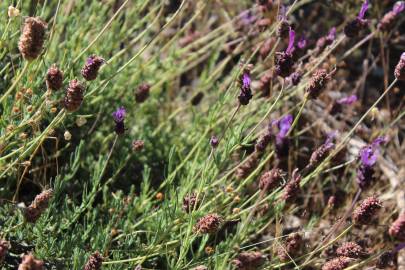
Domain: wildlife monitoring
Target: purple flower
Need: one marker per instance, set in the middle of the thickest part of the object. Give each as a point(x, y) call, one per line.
point(214, 141)
point(302, 43)
point(119, 115)
point(398, 7)
point(363, 10)
point(369, 153)
point(347, 100)
point(245, 94)
point(247, 17)
point(329, 139)
point(368, 157)
point(331, 35)
point(290, 47)
point(246, 81)
point(283, 124)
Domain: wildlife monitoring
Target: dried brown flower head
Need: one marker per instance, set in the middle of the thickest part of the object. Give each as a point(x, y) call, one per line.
point(91, 67)
point(41, 201)
point(397, 229)
point(94, 262)
point(190, 202)
point(54, 78)
point(317, 83)
point(38, 206)
point(351, 250)
point(142, 93)
point(292, 189)
point(32, 38)
point(366, 211)
point(291, 247)
point(30, 263)
point(338, 263)
point(249, 260)
point(137, 145)
point(74, 95)
point(208, 224)
point(263, 141)
point(271, 179)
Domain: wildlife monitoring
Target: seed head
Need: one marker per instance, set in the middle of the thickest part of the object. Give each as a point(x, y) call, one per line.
point(366, 211)
point(338, 263)
point(400, 68)
point(74, 95)
point(30, 263)
point(94, 262)
point(249, 260)
point(54, 78)
point(32, 38)
point(91, 67)
point(142, 93)
point(208, 224)
point(351, 250)
point(271, 179)
point(397, 229)
point(318, 82)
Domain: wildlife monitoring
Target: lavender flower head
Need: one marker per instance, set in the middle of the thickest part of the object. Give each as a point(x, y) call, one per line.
point(347, 100)
point(331, 35)
point(322, 151)
point(368, 157)
point(246, 81)
point(119, 116)
point(353, 28)
point(363, 10)
point(290, 47)
point(245, 94)
point(284, 61)
point(390, 17)
point(283, 124)
point(214, 141)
